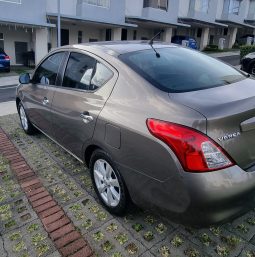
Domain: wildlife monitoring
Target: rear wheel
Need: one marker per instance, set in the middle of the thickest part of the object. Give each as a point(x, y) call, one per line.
point(108, 183)
point(8, 70)
point(25, 123)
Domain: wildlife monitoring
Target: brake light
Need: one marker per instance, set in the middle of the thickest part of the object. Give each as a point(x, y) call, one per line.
point(7, 58)
point(195, 151)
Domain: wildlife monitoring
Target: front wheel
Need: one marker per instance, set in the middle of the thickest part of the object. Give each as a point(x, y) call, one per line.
point(25, 123)
point(108, 183)
point(252, 68)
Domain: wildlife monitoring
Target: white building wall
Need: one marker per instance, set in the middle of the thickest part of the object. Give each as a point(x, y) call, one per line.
point(134, 8)
point(67, 7)
point(88, 32)
point(11, 36)
point(219, 9)
point(183, 8)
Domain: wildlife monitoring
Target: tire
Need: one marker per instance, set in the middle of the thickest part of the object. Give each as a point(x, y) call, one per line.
point(8, 70)
point(112, 185)
point(25, 123)
point(252, 68)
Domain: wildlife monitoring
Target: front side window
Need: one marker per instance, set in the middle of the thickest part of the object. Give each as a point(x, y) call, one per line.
point(158, 4)
point(47, 72)
point(180, 69)
point(202, 6)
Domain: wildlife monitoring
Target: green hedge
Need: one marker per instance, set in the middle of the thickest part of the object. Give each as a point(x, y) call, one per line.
point(244, 50)
point(211, 48)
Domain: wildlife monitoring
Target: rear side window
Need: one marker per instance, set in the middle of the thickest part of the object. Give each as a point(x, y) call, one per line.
point(84, 72)
point(100, 76)
point(47, 72)
point(181, 69)
point(79, 71)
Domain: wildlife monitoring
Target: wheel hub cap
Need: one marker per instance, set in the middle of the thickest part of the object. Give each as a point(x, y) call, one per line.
point(23, 118)
point(107, 183)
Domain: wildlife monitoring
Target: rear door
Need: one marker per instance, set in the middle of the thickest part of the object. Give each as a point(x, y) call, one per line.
point(86, 85)
point(39, 95)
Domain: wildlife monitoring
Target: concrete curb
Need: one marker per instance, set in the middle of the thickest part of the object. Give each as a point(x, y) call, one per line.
point(10, 80)
point(60, 228)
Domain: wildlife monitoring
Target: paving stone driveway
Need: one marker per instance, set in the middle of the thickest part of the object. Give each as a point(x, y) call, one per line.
point(139, 233)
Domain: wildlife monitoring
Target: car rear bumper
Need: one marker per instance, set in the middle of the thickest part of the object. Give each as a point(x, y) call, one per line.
point(199, 199)
point(218, 196)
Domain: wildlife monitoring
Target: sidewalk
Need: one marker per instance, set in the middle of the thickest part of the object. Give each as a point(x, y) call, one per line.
point(7, 108)
point(10, 80)
point(224, 54)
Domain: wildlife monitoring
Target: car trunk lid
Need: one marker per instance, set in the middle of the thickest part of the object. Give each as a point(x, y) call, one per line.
point(230, 114)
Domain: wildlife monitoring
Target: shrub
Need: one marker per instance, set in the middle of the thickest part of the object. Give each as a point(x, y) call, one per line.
point(211, 48)
point(244, 50)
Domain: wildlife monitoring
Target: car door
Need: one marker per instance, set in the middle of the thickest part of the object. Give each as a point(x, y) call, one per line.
point(39, 95)
point(86, 85)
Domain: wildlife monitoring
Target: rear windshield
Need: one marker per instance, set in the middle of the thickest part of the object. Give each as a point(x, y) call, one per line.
point(181, 69)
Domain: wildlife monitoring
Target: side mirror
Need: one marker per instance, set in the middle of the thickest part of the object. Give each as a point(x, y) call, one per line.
point(24, 78)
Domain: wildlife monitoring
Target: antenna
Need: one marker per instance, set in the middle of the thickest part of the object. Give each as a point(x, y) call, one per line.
point(152, 41)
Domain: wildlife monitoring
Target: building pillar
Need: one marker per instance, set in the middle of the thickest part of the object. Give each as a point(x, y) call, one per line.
point(41, 44)
point(167, 35)
point(204, 38)
point(117, 34)
point(232, 37)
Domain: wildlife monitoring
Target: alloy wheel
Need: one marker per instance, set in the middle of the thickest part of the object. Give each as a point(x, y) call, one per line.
point(23, 118)
point(107, 183)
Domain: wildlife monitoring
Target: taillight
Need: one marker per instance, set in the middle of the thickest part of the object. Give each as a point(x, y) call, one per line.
point(7, 58)
point(195, 151)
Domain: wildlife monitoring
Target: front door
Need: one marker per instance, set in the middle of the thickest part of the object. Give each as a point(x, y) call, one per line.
point(87, 84)
point(38, 97)
point(64, 37)
point(20, 50)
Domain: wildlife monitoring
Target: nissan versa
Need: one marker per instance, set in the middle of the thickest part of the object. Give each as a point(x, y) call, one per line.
point(166, 126)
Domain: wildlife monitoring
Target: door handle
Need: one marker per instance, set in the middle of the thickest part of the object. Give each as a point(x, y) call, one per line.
point(86, 117)
point(45, 101)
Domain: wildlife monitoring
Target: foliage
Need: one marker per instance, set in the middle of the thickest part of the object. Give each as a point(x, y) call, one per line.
point(244, 50)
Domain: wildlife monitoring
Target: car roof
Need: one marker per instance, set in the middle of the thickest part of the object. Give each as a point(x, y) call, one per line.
point(117, 48)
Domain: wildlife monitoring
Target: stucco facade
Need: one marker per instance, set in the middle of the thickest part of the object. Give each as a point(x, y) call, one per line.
point(28, 25)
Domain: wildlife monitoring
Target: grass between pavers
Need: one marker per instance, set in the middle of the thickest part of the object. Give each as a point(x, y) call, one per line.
point(139, 233)
point(57, 228)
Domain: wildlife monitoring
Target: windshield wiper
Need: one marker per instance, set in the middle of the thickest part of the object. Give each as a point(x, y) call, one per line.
point(152, 41)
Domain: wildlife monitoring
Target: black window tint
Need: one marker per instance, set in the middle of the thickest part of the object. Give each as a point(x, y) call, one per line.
point(79, 71)
point(46, 73)
point(100, 76)
point(181, 69)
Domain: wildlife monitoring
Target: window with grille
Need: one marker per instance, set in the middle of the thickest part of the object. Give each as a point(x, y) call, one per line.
point(232, 6)
point(158, 4)
point(101, 3)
